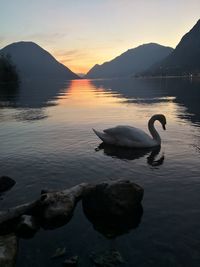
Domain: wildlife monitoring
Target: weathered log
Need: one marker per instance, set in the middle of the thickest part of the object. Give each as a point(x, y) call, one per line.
point(17, 211)
point(10, 217)
point(50, 206)
point(56, 208)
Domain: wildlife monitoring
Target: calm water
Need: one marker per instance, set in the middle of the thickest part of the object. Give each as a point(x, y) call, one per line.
point(47, 142)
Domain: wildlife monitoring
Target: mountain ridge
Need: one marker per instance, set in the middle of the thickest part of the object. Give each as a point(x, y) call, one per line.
point(184, 60)
point(31, 61)
point(130, 62)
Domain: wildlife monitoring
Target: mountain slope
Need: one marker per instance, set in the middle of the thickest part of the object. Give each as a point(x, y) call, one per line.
point(185, 59)
point(33, 61)
point(132, 61)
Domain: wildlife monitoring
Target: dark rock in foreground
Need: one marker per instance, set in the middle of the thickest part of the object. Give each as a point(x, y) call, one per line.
point(71, 262)
point(6, 183)
point(60, 252)
point(27, 226)
point(114, 208)
point(8, 250)
point(107, 259)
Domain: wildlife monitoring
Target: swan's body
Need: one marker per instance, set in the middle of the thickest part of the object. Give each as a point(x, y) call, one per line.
point(128, 136)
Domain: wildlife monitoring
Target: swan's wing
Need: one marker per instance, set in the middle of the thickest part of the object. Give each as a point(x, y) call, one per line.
point(127, 132)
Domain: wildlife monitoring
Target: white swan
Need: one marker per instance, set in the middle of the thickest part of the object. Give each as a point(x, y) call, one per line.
point(128, 136)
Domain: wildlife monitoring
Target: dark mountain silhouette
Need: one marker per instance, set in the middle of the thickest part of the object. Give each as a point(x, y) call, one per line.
point(132, 61)
point(184, 60)
point(32, 61)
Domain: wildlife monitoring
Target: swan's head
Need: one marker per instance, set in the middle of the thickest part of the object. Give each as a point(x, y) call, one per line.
point(161, 118)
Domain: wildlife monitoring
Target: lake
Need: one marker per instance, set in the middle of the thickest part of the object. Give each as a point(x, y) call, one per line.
point(47, 142)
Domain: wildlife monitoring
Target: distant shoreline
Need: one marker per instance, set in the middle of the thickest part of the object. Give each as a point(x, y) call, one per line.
point(167, 77)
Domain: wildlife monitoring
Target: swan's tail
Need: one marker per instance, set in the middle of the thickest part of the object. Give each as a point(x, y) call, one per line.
point(99, 134)
point(104, 137)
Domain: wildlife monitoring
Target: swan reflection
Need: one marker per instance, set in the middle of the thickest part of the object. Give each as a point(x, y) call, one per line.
point(133, 153)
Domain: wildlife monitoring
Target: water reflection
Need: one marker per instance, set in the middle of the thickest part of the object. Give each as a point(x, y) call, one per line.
point(30, 98)
point(40, 94)
point(133, 153)
point(183, 92)
point(30, 114)
point(8, 94)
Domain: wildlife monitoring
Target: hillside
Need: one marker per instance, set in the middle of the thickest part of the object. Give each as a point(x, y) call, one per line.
point(184, 60)
point(132, 61)
point(32, 61)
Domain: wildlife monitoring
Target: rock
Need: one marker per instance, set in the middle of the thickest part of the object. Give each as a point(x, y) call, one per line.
point(6, 183)
point(71, 262)
point(59, 253)
point(107, 259)
point(8, 250)
point(114, 197)
point(27, 226)
point(114, 208)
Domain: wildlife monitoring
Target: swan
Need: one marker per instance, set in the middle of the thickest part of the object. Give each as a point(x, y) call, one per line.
point(128, 136)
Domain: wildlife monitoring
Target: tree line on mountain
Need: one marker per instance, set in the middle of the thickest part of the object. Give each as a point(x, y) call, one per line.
point(8, 72)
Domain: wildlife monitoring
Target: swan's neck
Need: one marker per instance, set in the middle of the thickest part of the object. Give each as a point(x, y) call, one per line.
point(153, 131)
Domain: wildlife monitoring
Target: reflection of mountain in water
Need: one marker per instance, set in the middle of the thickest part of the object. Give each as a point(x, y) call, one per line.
point(183, 92)
point(8, 94)
point(30, 98)
point(187, 94)
point(133, 153)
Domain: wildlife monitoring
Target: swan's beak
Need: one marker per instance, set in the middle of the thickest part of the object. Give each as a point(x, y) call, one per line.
point(164, 128)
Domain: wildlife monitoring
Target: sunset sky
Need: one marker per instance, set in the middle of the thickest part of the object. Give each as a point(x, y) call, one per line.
point(81, 33)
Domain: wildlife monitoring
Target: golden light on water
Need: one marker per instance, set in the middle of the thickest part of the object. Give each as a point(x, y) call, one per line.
point(82, 93)
point(86, 101)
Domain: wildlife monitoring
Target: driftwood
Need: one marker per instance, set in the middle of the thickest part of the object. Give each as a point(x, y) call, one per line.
point(17, 211)
point(53, 208)
point(56, 208)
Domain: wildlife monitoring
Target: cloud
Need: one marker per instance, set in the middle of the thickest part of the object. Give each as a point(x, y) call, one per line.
point(71, 55)
point(46, 37)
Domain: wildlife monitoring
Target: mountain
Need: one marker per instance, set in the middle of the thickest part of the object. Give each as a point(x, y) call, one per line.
point(32, 61)
point(132, 61)
point(184, 60)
